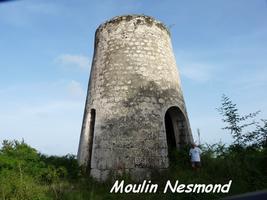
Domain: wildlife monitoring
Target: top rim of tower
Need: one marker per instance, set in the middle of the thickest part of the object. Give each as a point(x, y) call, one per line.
point(148, 20)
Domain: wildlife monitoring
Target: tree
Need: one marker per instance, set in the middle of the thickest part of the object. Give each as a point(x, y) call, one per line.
point(236, 123)
point(258, 137)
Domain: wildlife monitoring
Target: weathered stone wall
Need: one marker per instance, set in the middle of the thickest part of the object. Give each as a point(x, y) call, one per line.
point(133, 81)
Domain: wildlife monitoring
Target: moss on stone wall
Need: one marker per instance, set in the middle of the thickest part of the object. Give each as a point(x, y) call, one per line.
point(140, 20)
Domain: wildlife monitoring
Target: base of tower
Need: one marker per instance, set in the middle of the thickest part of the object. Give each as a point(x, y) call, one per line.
point(136, 174)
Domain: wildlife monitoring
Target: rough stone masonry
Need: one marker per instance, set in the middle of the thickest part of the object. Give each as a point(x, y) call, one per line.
point(135, 111)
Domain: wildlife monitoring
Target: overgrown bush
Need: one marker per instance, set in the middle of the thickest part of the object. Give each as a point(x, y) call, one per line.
point(26, 174)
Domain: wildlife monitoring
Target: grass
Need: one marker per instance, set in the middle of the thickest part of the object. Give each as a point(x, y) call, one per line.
point(26, 174)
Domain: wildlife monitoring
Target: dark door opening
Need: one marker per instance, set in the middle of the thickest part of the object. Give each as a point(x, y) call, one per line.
point(170, 132)
point(91, 135)
point(171, 142)
point(176, 131)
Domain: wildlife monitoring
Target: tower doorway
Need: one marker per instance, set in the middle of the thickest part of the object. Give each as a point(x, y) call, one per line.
point(177, 132)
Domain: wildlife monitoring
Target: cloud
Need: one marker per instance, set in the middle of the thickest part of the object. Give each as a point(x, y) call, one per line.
point(45, 114)
point(27, 13)
point(251, 79)
point(75, 89)
point(43, 8)
point(196, 66)
point(197, 71)
point(78, 61)
point(45, 125)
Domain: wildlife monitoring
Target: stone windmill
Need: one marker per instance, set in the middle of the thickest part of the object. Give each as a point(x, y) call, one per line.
point(135, 112)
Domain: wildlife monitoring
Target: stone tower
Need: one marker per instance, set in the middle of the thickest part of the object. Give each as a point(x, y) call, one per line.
point(135, 111)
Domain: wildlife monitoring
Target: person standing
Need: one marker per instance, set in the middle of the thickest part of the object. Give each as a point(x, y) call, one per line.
point(194, 154)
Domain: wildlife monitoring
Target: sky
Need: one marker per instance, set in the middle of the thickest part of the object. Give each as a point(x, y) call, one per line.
point(46, 49)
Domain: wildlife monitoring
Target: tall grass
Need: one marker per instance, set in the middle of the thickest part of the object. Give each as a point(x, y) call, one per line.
point(26, 174)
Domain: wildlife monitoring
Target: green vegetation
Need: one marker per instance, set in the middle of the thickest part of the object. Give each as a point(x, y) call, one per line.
point(245, 130)
point(26, 174)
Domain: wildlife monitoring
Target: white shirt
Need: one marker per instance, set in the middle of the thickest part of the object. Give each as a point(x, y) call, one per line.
point(195, 154)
